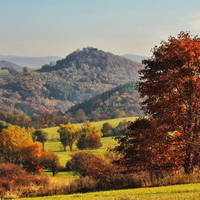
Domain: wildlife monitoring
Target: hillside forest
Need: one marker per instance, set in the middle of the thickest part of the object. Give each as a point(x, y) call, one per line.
point(81, 75)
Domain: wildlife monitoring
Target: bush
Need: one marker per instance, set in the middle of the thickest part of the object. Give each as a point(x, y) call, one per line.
point(50, 161)
point(87, 164)
point(13, 178)
point(92, 141)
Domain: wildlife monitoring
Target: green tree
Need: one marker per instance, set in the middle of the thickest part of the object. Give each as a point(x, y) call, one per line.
point(40, 136)
point(69, 133)
point(106, 129)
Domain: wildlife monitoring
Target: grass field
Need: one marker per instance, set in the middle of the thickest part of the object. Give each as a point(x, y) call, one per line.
point(53, 134)
point(53, 143)
point(173, 192)
point(55, 146)
point(4, 74)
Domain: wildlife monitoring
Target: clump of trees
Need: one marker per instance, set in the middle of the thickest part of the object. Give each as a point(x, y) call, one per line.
point(86, 137)
point(170, 83)
point(69, 133)
point(108, 130)
point(18, 147)
point(102, 174)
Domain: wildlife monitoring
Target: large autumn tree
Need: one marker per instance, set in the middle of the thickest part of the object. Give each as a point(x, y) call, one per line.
point(170, 84)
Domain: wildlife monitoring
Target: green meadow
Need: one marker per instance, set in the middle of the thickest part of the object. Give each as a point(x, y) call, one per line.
point(64, 156)
point(53, 134)
point(4, 74)
point(172, 192)
point(53, 144)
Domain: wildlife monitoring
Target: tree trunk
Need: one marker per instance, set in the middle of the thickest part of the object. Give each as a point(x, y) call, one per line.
point(43, 146)
point(70, 147)
point(189, 163)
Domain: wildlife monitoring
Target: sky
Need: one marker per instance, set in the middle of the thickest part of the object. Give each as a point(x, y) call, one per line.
point(39, 28)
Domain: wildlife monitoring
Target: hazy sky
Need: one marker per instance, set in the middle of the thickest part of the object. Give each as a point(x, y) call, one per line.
point(59, 27)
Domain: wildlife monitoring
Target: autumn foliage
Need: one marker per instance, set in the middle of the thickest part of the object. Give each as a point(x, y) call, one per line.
point(170, 84)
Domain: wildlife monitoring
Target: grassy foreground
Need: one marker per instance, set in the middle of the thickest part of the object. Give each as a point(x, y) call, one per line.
point(173, 192)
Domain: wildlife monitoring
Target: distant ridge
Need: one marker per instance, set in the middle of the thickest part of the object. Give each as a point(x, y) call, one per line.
point(6, 64)
point(31, 62)
point(135, 57)
point(72, 80)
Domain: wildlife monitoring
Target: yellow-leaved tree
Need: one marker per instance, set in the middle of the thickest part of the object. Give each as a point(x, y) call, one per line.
point(88, 129)
point(16, 145)
point(69, 133)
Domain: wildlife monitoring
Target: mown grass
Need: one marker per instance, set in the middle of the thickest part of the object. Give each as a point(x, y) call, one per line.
point(173, 192)
point(53, 134)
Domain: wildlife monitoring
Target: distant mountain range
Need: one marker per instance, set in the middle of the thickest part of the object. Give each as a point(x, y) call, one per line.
point(30, 62)
point(72, 80)
point(135, 57)
point(7, 64)
point(37, 62)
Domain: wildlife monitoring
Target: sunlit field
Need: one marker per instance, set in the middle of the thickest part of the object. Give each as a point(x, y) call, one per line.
point(53, 134)
point(174, 192)
point(56, 147)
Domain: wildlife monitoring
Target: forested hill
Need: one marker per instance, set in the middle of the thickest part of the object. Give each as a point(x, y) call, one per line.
point(96, 63)
point(78, 77)
point(120, 101)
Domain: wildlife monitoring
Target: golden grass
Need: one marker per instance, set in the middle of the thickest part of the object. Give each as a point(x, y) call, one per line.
point(174, 192)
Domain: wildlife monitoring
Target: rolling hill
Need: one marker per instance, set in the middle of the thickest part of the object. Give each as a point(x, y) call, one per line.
point(135, 57)
point(7, 64)
point(80, 76)
point(31, 62)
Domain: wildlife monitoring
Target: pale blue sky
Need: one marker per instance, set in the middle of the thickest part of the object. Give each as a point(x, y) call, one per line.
point(59, 27)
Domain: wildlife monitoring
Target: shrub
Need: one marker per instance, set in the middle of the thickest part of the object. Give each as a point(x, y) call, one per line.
point(107, 129)
point(92, 141)
point(50, 161)
point(13, 178)
point(87, 164)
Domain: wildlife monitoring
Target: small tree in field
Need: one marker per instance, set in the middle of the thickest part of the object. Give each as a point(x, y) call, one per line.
point(50, 161)
point(91, 141)
point(68, 135)
point(40, 136)
point(106, 129)
point(90, 137)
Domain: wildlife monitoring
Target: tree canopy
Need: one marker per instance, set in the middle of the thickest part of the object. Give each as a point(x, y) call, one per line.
point(69, 133)
point(170, 84)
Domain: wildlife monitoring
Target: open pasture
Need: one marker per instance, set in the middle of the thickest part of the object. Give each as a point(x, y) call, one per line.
point(64, 156)
point(53, 134)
